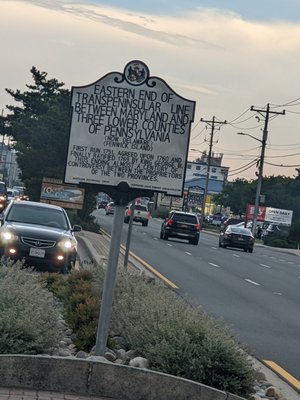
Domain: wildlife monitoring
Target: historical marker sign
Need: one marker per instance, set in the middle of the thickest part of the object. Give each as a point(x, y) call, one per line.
point(129, 128)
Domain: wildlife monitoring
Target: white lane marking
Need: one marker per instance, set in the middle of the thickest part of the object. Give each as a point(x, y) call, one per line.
point(252, 282)
point(291, 262)
point(264, 265)
point(214, 248)
point(189, 254)
point(168, 244)
point(236, 255)
point(277, 293)
point(280, 259)
point(274, 258)
point(155, 238)
point(144, 233)
point(214, 265)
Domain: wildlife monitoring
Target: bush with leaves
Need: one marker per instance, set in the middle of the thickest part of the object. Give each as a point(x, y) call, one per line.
point(177, 338)
point(29, 315)
point(81, 304)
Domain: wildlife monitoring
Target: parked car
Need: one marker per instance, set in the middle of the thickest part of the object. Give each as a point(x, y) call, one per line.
point(110, 208)
point(230, 221)
point(275, 230)
point(181, 225)
point(3, 196)
point(39, 233)
point(238, 237)
point(141, 214)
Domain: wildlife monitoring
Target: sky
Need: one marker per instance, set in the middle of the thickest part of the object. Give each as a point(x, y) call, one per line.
point(225, 55)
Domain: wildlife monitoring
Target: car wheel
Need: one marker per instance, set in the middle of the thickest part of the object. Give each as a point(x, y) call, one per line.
point(126, 220)
point(220, 244)
point(250, 250)
point(145, 223)
point(245, 249)
point(195, 241)
point(161, 235)
point(165, 236)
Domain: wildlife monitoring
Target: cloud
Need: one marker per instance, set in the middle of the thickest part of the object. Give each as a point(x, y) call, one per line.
point(219, 59)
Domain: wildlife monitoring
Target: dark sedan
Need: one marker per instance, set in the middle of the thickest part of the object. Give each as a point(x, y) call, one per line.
point(39, 233)
point(238, 237)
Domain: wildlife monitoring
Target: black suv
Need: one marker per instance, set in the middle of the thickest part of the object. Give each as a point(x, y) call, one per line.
point(181, 225)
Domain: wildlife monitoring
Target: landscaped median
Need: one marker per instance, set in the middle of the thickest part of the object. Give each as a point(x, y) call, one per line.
point(147, 318)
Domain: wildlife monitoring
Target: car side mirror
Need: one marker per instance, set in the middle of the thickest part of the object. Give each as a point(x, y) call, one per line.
point(76, 228)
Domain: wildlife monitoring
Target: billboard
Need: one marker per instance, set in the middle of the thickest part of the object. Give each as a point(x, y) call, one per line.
point(270, 214)
point(131, 128)
point(53, 191)
point(279, 216)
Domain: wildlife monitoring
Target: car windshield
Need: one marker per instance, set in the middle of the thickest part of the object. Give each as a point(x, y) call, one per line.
point(240, 231)
point(188, 218)
point(38, 216)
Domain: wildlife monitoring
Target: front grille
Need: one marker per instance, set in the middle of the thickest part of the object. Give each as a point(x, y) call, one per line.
point(40, 243)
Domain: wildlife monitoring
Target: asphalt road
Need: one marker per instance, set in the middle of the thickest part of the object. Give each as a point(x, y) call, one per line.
point(257, 294)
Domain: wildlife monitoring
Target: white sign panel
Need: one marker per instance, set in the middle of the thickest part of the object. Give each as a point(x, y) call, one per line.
point(130, 128)
point(279, 216)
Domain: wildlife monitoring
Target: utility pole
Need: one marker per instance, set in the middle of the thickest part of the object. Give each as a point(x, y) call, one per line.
point(267, 113)
point(212, 123)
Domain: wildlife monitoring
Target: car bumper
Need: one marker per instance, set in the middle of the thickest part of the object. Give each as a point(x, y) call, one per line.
point(45, 259)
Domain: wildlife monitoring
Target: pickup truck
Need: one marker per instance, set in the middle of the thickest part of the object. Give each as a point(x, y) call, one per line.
point(141, 214)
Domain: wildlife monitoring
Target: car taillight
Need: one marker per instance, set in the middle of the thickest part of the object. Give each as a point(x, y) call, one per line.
point(197, 227)
point(148, 214)
point(170, 222)
point(129, 211)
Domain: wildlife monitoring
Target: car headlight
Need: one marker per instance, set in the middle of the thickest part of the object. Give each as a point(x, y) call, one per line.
point(8, 236)
point(67, 244)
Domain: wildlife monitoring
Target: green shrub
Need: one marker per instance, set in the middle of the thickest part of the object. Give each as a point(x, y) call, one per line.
point(177, 338)
point(280, 242)
point(29, 315)
point(81, 304)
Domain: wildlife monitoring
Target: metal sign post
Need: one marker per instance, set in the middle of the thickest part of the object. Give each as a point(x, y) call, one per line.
point(129, 135)
point(109, 281)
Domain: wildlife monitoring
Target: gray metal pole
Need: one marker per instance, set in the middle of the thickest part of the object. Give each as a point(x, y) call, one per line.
point(109, 281)
point(129, 234)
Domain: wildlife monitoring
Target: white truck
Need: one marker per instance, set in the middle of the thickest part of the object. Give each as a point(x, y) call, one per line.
point(141, 214)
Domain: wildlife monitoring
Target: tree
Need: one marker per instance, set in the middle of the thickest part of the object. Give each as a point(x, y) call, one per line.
point(236, 195)
point(39, 126)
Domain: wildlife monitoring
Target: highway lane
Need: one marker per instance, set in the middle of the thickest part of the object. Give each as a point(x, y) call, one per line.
point(256, 294)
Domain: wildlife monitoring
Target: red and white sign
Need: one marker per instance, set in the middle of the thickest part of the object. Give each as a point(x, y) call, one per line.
point(270, 214)
point(250, 212)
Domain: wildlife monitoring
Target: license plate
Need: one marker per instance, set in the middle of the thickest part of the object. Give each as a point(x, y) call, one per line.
point(37, 252)
point(183, 226)
point(241, 239)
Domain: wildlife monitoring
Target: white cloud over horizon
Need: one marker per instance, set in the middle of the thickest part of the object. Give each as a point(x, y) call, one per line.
point(219, 59)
